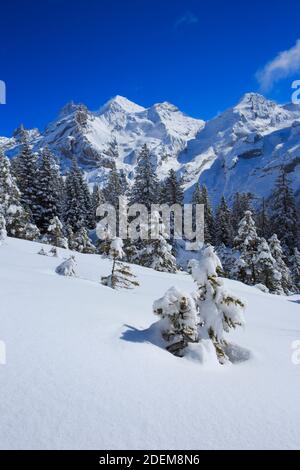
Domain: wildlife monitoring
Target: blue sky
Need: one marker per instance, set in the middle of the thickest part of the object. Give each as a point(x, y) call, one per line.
point(201, 56)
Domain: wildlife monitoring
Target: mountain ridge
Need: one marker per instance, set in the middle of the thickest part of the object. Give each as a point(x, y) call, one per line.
point(241, 149)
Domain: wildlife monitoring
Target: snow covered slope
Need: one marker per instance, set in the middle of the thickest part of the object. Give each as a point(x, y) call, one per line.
point(83, 370)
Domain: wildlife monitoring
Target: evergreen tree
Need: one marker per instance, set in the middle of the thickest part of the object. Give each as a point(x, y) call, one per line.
point(242, 203)
point(172, 194)
point(70, 237)
point(156, 253)
point(296, 269)
point(284, 213)
point(89, 219)
point(209, 227)
point(266, 268)
point(97, 199)
point(173, 190)
point(123, 182)
point(246, 242)
point(55, 235)
point(224, 234)
point(82, 243)
point(10, 200)
point(3, 232)
point(228, 258)
point(263, 221)
point(48, 193)
point(197, 195)
point(145, 188)
point(281, 267)
point(27, 174)
point(113, 189)
point(77, 203)
point(28, 232)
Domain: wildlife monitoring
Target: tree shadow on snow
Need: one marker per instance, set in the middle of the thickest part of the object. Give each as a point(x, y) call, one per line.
point(236, 354)
point(150, 335)
point(295, 302)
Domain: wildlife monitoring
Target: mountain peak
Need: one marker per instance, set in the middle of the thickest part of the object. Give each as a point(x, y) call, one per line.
point(254, 100)
point(166, 106)
point(69, 108)
point(121, 103)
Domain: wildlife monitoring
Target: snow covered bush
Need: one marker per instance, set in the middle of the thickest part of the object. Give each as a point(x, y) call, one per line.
point(179, 320)
point(67, 268)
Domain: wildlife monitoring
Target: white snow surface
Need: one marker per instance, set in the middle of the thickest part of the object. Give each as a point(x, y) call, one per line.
point(85, 369)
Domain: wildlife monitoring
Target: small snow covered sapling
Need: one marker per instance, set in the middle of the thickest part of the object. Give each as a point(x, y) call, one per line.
point(219, 310)
point(3, 233)
point(179, 320)
point(121, 275)
point(67, 268)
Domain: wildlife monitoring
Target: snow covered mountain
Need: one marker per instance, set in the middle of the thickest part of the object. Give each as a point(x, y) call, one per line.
point(114, 133)
point(242, 149)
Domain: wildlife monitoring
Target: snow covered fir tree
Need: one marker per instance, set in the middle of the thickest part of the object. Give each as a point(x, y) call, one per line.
point(206, 315)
